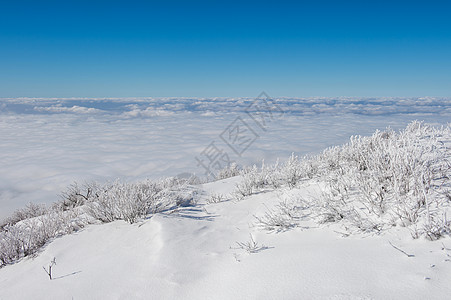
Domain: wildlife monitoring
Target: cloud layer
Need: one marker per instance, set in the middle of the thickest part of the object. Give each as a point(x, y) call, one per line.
point(48, 144)
point(151, 107)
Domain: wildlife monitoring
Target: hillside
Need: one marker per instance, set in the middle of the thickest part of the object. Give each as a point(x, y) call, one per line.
point(366, 220)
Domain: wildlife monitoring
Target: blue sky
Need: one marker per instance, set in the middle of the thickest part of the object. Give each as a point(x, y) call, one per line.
point(227, 49)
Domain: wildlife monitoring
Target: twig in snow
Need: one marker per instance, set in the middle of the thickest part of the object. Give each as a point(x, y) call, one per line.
point(400, 250)
point(49, 270)
point(251, 246)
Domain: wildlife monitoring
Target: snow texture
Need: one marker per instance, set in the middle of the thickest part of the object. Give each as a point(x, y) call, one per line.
point(193, 253)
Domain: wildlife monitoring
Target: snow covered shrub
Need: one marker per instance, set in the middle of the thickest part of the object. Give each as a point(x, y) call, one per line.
point(182, 196)
point(27, 236)
point(252, 181)
point(256, 179)
point(123, 201)
point(229, 171)
point(75, 196)
point(245, 187)
point(310, 166)
point(251, 246)
point(216, 198)
point(32, 227)
point(372, 182)
point(31, 210)
point(10, 247)
point(437, 227)
point(391, 176)
point(103, 209)
point(132, 201)
point(291, 171)
point(277, 175)
point(28, 229)
point(261, 177)
point(329, 209)
point(284, 216)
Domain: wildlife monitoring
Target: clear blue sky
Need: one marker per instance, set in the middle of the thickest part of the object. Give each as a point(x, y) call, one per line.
point(227, 48)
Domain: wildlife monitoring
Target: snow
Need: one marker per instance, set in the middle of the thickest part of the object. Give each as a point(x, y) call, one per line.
point(193, 254)
point(197, 252)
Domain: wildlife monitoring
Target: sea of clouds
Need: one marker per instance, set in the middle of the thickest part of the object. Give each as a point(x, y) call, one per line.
point(47, 144)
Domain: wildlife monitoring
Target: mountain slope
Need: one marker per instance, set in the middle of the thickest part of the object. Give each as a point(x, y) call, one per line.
point(192, 253)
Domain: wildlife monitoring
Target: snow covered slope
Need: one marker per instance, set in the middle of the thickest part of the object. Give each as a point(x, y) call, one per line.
point(195, 253)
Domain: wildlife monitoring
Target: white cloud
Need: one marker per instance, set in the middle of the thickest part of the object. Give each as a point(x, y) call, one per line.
point(148, 112)
point(62, 109)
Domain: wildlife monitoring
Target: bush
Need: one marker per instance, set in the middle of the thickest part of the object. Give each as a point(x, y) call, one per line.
point(394, 176)
point(75, 196)
point(229, 171)
point(372, 182)
point(31, 210)
point(132, 201)
point(32, 227)
point(284, 216)
point(27, 236)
